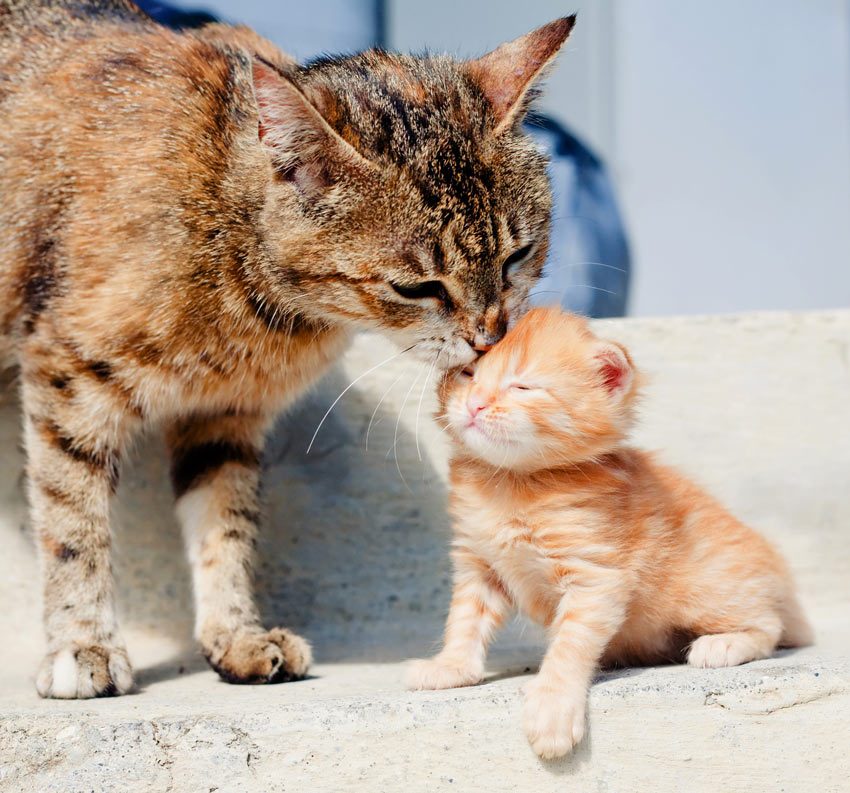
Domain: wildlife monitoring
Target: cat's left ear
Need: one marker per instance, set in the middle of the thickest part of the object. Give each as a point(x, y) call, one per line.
point(296, 134)
point(614, 367)
point(507, 74)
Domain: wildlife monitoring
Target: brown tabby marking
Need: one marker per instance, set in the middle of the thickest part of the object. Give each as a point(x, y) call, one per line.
point(192, 227)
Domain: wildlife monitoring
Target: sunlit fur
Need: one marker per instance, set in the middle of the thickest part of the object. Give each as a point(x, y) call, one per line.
point(192, 225)
point(622, 559)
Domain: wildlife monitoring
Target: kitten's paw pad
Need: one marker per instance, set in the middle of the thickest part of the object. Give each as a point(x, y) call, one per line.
point(723, 649)
point(275, 656)
point(554, 722)
point(85, 672)
point(431, 673)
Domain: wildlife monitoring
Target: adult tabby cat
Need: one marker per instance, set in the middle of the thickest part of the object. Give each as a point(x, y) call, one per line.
point(191, 227)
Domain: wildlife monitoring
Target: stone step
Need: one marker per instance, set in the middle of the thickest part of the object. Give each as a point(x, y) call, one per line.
point(354, 556)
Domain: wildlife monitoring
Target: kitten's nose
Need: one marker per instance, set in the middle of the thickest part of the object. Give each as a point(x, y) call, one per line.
point(475, 403)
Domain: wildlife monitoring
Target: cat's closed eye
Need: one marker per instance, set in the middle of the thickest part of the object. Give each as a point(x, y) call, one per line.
point(513, 261)
point(423, 290)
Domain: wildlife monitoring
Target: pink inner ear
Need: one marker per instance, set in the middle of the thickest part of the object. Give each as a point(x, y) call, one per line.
point(613, 369)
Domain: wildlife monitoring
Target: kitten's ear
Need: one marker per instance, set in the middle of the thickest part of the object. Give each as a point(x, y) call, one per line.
point(299, 140)
point(614, 367)
point(508, 73)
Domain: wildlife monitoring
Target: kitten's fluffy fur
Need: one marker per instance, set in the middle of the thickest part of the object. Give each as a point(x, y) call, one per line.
point(191, 226)
point(623, 560)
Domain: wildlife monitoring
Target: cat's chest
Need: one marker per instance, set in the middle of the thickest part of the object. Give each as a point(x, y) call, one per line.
point(255, 378)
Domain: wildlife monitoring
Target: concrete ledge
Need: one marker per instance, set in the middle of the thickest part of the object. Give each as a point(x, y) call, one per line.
point(755, 407)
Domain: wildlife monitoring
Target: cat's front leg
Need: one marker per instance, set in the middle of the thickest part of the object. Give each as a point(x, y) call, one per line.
point(76, 418)
point(479, 606)
point(215, 472)
point(588, 616)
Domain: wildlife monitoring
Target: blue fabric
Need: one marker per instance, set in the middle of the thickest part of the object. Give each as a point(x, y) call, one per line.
point(589, 264)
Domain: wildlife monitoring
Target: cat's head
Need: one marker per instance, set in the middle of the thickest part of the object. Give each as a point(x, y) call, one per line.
point(404, 196)
point(549, 394)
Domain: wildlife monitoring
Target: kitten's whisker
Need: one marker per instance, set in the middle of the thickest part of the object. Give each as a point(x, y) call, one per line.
point(351, 385)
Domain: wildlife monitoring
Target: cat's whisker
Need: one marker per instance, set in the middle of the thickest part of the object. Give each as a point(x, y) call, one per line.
point(377, 407)
point(419, 406)
point(397, 424)
point(350, 386)
point(572, 265)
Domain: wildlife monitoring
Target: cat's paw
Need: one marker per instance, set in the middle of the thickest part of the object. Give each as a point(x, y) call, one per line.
point(434, 673)
point(554, 720)
point(257, 656)
point(724, 649)
point(85, 672)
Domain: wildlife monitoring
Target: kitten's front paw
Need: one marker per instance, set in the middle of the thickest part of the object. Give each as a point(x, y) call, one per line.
point(85, 672)
point(554, 720)
point(433, 673)
point(259, 656)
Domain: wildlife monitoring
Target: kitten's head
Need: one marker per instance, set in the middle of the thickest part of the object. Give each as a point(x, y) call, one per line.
point(549, 394)
point(404, 196)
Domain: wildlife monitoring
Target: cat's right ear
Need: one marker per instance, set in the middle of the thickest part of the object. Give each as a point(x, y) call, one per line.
point(507, 75)
point(296, 135)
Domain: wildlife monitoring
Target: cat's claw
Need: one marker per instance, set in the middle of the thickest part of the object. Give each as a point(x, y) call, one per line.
point(554, 721)
point(85, 672)
point(260, 656)
point(432, 673)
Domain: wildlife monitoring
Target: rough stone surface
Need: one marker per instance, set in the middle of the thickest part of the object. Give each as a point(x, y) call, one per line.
point(354, 556)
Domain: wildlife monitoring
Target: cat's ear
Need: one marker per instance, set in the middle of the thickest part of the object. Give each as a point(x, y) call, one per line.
point(299, 140)
point(614, 367)
point(507, 74)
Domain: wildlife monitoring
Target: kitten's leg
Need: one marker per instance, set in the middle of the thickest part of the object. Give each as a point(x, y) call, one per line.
point(479, 606)
point(215, 473)
point(588, 617)
point(732, 649)
point(73, 430)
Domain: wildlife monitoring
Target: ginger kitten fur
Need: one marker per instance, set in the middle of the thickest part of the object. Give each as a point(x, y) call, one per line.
point(192, 225)
point(623, 560)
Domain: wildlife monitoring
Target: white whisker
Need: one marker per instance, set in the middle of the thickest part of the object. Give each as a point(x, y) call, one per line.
point(349, 386)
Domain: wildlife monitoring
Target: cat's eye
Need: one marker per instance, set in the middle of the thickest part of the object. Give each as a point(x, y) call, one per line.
point(426, 289)
point(513, 261)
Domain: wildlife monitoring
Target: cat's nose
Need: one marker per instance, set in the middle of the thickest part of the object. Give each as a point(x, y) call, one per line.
point(475, 403)
point(484, 341)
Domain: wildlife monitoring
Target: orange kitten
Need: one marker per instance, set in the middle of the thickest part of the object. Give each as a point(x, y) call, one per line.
point(621, 559)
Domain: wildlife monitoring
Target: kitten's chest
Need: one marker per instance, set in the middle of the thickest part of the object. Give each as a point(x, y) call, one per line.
point(536, 553)
point(529, 557)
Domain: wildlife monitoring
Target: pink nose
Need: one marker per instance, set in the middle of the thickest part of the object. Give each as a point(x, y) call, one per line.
point(475, 403)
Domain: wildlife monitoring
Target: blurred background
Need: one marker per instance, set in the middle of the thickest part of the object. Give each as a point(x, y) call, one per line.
point(701, 151)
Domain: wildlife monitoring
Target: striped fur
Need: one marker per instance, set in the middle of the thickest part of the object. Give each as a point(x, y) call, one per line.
point(621, 559)
point(192, 226)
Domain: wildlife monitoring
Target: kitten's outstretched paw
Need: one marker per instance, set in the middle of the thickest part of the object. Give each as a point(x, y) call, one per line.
point(554, 721)
point(725, 649)
point(433, 673)
point(256, 656)
point(85, 672)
